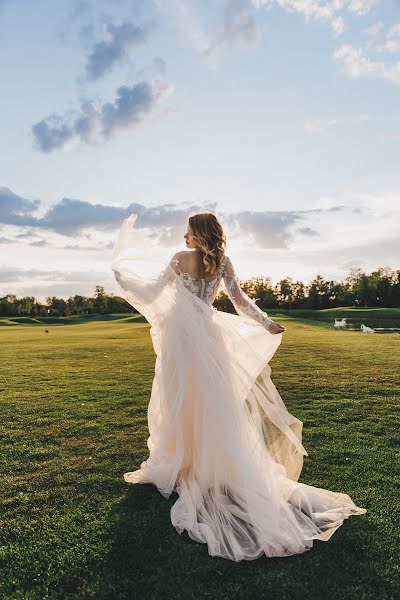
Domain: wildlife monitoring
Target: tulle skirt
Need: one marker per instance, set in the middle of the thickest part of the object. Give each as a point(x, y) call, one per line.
point(222, 438)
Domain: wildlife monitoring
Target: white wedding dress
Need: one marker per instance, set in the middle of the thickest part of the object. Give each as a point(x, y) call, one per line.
point(220, 434)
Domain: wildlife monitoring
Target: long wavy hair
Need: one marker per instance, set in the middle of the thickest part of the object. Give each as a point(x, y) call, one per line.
point(210, 239)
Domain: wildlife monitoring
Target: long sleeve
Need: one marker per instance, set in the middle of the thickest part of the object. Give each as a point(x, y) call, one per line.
point(243, 304)
point(146, 290)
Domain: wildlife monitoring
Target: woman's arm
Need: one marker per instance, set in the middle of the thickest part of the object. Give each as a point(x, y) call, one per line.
point(243, 304)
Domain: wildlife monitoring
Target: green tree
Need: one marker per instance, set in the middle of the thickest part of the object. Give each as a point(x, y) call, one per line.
point(286, 292)
point(100, 303)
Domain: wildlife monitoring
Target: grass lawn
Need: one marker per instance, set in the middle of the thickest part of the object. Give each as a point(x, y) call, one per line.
point(73, 420)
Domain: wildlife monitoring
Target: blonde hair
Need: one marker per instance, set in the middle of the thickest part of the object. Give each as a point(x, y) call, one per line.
point(210, 239)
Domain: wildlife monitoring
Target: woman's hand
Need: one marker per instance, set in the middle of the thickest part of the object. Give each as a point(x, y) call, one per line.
point(276, 328)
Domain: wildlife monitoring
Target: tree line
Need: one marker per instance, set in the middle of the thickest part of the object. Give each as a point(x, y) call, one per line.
point(381, 288)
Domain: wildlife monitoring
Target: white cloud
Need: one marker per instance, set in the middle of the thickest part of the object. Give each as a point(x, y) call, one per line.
point(218, 25)
point(338, 26)
point(41, 283)
point(328, 11)
point(237, 23)
point(319, 125)
point(356, 63)
point(374, 29)
point(394, 31)
point(239, 27)
point(362, 7)
point(313, 10)
point(390, 46)
point(376, 58)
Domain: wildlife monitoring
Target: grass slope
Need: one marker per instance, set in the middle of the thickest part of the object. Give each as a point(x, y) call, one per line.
point(73, 420)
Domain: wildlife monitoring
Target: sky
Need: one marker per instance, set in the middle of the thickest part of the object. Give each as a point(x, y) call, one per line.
point(279, 116)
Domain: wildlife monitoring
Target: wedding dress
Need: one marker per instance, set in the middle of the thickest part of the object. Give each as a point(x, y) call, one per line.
point(220, 434)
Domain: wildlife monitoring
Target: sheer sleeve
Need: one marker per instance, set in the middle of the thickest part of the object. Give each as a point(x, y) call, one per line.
point(148, 291)
point(243, 304)
point(175, 264)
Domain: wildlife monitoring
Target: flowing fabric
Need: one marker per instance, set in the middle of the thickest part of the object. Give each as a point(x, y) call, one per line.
point(219, 432)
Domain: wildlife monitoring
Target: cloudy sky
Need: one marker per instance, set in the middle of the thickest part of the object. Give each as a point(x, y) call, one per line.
point(281, 116)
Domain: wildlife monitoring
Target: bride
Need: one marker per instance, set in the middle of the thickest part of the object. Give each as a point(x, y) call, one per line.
point(220, 434)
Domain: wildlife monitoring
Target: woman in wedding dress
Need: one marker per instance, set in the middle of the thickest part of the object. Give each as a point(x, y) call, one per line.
point(219, 432)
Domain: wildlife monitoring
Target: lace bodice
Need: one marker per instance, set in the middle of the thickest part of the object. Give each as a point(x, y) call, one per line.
point(207, 289)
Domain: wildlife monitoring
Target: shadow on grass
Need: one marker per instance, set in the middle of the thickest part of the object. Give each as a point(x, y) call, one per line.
point(148, 558)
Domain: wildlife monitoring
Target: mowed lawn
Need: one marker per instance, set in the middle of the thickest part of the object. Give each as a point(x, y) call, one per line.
point(73, 420)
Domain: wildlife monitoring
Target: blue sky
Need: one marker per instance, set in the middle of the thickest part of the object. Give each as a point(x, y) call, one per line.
point(281, 116)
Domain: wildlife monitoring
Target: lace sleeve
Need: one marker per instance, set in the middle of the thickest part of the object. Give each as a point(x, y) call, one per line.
point(175, 264)
point(243, 304)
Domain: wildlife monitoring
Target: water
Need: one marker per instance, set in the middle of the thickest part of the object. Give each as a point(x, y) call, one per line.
point(378, 325)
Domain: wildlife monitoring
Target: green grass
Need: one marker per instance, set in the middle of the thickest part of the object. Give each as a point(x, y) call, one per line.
point(73, 420)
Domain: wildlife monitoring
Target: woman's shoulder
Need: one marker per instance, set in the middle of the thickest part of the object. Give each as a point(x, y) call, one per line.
point(182, 256)
point(190, 257)
point(183, 259)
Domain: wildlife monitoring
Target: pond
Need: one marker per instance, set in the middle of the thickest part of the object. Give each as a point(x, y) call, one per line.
point(382, 325)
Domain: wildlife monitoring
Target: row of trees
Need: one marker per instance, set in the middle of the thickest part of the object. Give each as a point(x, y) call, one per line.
point(380, 288)
point(100, 303)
